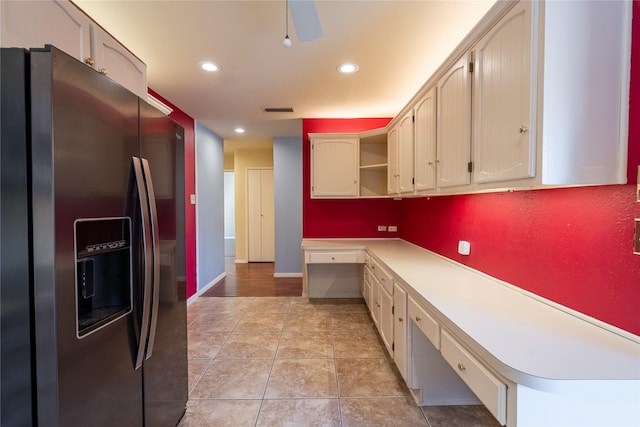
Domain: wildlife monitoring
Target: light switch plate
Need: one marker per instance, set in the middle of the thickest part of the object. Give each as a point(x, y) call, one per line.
point(464, 247)
point(193, 199)
point(382, 228)
point(636, 237)
point(393, 229)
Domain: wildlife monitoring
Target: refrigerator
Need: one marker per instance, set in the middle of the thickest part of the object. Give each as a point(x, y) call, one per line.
point(92, 293)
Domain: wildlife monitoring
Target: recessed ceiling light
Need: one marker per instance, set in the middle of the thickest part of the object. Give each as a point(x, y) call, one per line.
point(348, 68)
point(210, 66)
point(239, 130)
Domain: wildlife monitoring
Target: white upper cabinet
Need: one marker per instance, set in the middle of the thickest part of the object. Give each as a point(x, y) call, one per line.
point(454, 125)
point(392, 156)
point(334, 166)
point(400, 149)
point(504, 148)
point(425, 142)
point(30, 24)
point(33, 24)
point(584, 92)
point(115, 61)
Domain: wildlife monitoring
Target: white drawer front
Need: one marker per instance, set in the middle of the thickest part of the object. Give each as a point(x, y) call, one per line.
point(384, 278)
point(423, 320)
point(489, 389)
point(346, 257)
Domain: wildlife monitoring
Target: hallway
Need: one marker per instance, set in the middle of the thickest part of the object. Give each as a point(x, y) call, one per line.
point(254, 279)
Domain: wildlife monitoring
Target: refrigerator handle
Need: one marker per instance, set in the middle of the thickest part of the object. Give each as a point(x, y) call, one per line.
point(155, 234)
point(148, 260)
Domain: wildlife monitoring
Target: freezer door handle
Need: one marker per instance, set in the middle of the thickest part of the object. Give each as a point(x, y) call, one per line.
point(148, 260)
point(155, 235)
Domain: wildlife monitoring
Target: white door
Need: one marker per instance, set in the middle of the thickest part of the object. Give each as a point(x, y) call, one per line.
point(503, 147)
point(36, 23)
point(425, 142)
point(261, 215)
point(454, 125)
point(405, 154)
point(400, 329)
point(334, 167)
point(392, 161)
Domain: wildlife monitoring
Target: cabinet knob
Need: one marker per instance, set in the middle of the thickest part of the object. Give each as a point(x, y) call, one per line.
point(430, 163)
point(89, 61)
point(103, 71)
point(418, 318)
point(333, 258)
point(461, 367)
point(522, 129)
point(399, 319)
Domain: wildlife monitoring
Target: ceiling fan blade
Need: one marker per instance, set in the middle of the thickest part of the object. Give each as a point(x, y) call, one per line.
point(306, 20)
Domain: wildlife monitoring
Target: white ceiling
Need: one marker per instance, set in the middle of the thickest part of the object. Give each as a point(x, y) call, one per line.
point(397, 44)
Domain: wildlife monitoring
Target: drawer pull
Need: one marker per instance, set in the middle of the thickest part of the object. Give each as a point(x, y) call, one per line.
point(418, 318)
point(103, 71)
point(333, 258)
point(89, 61)
point(461, 367)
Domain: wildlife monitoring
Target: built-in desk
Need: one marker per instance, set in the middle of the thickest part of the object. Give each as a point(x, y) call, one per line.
point(557, 366)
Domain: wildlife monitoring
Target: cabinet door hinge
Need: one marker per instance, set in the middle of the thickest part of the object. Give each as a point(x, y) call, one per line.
point(471, 67)
point(393, 309)
point(413, 118)
point(413, 181)
point(470, 167)
point(393, 346)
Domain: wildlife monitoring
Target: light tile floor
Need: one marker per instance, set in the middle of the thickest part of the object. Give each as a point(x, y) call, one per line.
point(282, 361)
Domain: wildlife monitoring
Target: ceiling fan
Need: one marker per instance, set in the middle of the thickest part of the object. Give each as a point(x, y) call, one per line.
point(305, 18)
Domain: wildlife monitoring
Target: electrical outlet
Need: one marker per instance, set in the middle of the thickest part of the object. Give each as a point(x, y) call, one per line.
point(382, 228)
point(464, 247)
point(393, 229)
point(636, 237)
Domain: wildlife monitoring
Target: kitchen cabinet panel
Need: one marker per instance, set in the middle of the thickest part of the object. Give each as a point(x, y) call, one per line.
point(504, 148)
point(454, 125)
point(425, 160)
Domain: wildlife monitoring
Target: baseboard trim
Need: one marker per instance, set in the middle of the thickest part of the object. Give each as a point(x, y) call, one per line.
point(204, 289)
point(287, 274)
point(241, 261)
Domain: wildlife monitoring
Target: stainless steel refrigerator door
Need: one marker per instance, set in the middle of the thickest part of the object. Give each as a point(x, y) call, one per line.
point(165, 370)
point(84, 133)
point(15, 317)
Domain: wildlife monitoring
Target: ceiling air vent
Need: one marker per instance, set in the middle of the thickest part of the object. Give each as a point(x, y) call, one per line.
point(277, 109)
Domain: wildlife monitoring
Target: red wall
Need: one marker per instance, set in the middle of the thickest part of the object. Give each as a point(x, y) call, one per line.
point(347, 217)
point(190, 188)
point(572, 245)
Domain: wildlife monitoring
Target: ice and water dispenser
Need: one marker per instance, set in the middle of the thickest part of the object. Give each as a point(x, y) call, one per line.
point(103, 272)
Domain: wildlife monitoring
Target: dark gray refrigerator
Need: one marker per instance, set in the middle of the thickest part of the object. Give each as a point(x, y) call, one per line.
point(92, 293)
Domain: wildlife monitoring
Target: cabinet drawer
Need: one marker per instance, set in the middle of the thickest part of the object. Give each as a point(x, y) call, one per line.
point(343, 257)
point(384, 278)
point(423, 320)
point(489, 389)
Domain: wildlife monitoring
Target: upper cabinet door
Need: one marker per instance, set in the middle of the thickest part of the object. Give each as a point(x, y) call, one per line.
point(334, 167)
point(31, 24)
point(392, 159)
point(454, 125)
point(405, 154)
point(504, 147)
point(115, 61)
point(425, 142)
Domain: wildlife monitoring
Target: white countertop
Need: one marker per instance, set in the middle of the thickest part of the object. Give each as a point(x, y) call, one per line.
point(523, 338)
